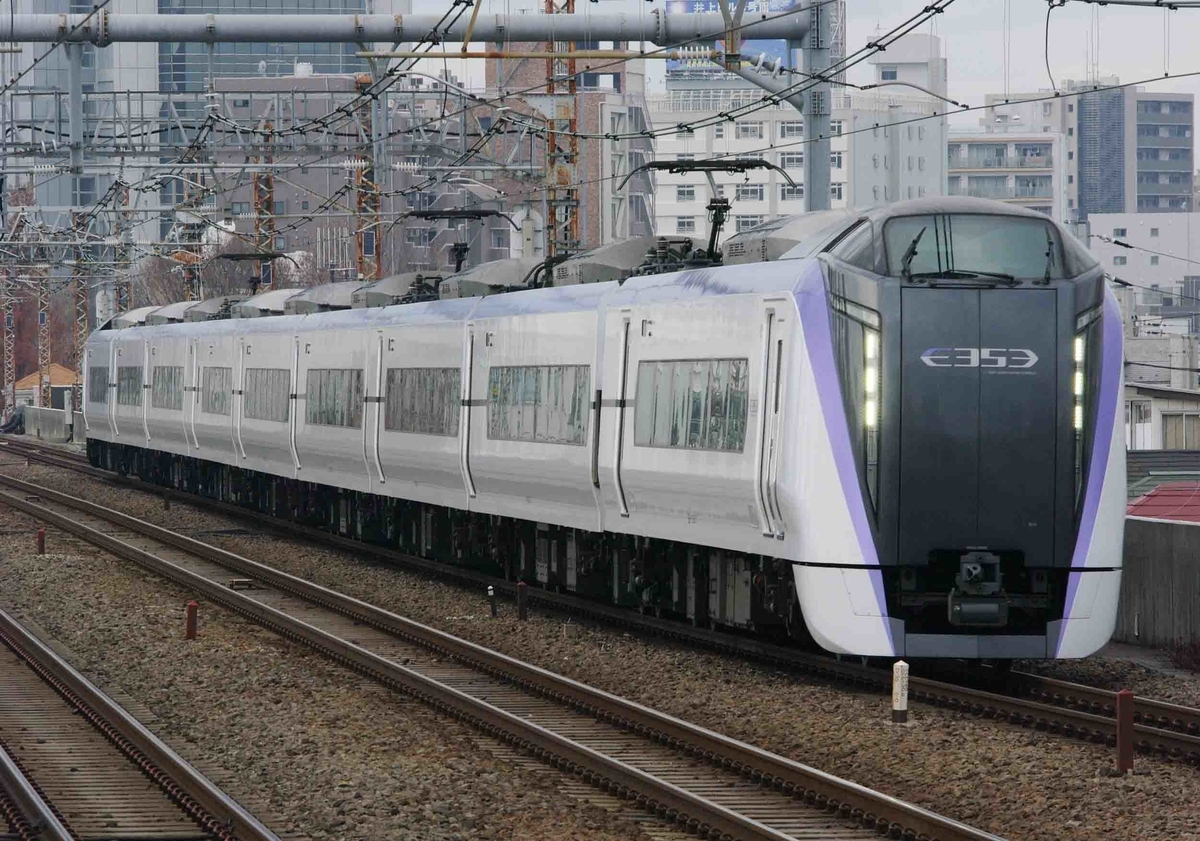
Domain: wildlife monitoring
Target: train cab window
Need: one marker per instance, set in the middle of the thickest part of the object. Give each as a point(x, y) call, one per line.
point(129, 385)
point(216, 391)
point(543, 403)
point(97, 384)
point(959, 242)
point(857, 246)
point(268, 394)
point(335, 397)
point(166, 387)
point(425, 401)
point(695, 404)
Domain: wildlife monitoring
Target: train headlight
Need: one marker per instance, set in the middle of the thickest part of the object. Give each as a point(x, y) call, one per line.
point(1086, 325)
point(871, 398)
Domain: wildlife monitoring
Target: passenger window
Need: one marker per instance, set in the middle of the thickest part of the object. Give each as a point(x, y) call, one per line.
point(216, 393)
point(423, 400)
point(129, 385)
point(267, 394)
point(697, 404)
point(166, 387)
point(542, 403)
point(335, 397)
point(98, 384)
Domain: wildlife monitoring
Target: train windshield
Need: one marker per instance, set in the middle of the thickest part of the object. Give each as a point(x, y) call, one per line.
point(974, 243)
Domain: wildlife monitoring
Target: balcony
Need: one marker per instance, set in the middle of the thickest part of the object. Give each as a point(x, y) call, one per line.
point(1007, 162)
point(1164, 166)
point(1159, 119)
point(1156, 142)
point(1164, 189)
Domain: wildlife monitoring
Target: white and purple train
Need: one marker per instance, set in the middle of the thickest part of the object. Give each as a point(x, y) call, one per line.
point(899, 439)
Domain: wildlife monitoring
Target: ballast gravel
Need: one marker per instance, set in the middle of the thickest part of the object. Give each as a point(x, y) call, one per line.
point(1017, 783)
point(332, 756)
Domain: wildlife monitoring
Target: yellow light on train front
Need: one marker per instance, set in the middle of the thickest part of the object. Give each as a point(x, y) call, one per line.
point(1078, 387)
point(872, 345)
point(1078, 416)
point(871, 380)
point(871, 414)
point(1079, 349)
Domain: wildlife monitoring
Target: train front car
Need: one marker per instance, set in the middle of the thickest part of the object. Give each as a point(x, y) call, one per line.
point(978, 363)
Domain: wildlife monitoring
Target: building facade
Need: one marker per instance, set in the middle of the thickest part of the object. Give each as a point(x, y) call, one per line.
point(1028, 170)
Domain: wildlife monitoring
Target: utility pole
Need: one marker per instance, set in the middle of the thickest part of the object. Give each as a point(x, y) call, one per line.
point(562, 144)
point(366, 191)
point(264, 209)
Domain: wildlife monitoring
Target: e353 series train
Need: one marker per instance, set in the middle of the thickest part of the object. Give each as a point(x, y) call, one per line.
point(901, 437)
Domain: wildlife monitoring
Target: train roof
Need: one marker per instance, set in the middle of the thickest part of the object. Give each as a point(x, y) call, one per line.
point(692, 284)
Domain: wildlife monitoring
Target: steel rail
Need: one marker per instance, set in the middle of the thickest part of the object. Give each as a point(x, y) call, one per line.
point(214, 810)
point(42, 822)
point(848, 800)
point(1085, 713)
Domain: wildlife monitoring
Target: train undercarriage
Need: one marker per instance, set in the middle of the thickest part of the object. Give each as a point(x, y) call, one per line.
point(705, 586)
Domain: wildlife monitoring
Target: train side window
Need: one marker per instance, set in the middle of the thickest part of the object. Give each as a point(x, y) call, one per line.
point(425, 401)
point(166, 387)
point(335, 397)
point(543, 403)
point(857, 247)
point(697, 404)
point(267, 394)
point(129, 385)
point(216, 393)
point(98, 384)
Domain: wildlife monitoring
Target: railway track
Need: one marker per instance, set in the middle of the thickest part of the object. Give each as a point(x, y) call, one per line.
point(75, 766)
point(711, 785)
point(1060, 707)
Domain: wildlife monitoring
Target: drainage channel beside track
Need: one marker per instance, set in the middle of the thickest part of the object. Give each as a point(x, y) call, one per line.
point(1058, 707)
point(694, 778)
point(75, 766)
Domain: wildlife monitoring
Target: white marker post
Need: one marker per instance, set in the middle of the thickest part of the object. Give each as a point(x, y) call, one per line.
point(900, 692)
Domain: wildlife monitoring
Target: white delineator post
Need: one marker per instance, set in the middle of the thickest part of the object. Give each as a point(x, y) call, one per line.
point(900, 692)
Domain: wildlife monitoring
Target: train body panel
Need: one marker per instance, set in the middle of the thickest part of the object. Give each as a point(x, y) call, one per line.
point(723, 442)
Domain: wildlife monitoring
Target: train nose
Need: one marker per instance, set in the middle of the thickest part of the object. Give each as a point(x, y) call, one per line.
point(977, 465)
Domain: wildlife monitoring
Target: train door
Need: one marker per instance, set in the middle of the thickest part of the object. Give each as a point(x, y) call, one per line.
point(464, 422)
point(622, 397)
point(238, 399)
point(379, 402)
point(192, 390)
point(769, 438)
point(294, 401)
point(111, 385)
point(145, 386)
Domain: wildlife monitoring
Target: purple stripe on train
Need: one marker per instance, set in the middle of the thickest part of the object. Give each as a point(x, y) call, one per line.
point(813, 302)
point(1106, 412)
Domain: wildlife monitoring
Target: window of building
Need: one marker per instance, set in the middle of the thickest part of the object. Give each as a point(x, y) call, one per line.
point(1070, 179)
point(1137, 425)
point(1070, 131)
point(789, 193)
point(1070, 107)
point(1118, 232)
point(835, 190)
point(304, 204)
point(1070, 202)
point(1070, 156)
point(835, 160)
point(697, 404)
point(748, 131)
point(683, 131)
point(888, 74)
point(685, 224)
point(281, 243)
point(1047, 109)
point(791, 160)
point(685, 156)
point(239, 208)
point(1119, 260)
point(98, 384)
point(1154, 260)
point(129, 385)
point(1154, 232)
point(335, 397)
point(500, 238)
point(543, 403)
point(835, 128)
point(685, 192)
point(745, 223)
point(280, 207)
point(791, 129)
point(1181, 431)
point(267, 394)
point(216, 391)
point(719, 131)
point(425, 401)
point(166, 387)
point(749, 192)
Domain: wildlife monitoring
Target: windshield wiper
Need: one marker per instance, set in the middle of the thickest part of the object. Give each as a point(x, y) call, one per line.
point(967, 274)
point(909, 253)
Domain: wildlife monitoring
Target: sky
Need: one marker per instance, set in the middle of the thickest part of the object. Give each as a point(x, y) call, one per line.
point(1133, 44)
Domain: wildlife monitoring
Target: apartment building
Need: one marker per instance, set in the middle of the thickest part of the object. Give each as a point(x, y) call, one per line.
point(1028, 170)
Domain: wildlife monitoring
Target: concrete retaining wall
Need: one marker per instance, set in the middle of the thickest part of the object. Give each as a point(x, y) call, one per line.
point(48, 424)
